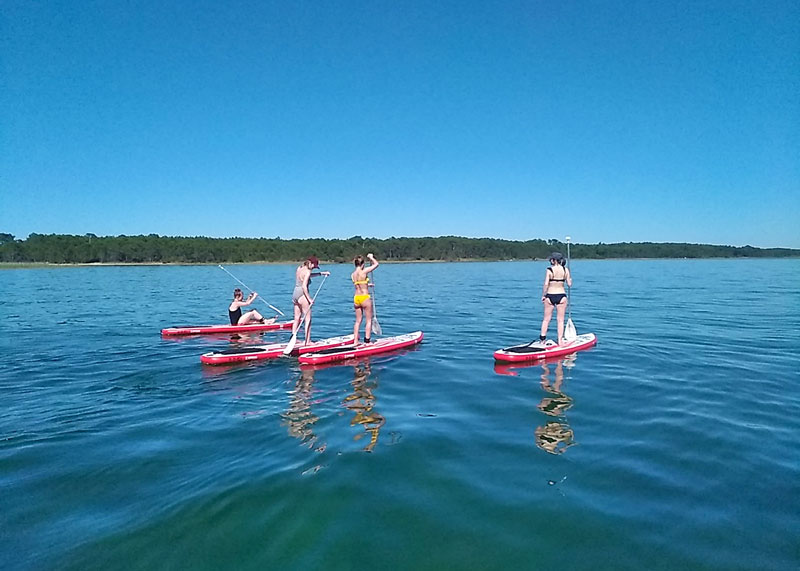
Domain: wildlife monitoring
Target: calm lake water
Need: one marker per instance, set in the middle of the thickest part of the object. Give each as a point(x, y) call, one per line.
point(674, 443)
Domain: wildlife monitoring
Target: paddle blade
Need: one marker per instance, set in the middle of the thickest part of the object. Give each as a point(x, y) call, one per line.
point(376, 327)
point(570, 334)
point(290, 345)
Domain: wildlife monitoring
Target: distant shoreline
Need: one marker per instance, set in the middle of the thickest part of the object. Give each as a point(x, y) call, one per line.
point(43, 265)
point(155, 250)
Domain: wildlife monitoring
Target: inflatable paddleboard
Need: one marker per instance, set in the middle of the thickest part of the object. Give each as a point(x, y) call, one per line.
point(527, 353)
point(362, 350)
point(206, 329)
point(272, 351)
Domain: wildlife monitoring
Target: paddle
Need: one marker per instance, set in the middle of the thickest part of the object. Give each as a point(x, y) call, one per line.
point(376, 327)
point(570, 334)
point(248, 289)
point(293, 341)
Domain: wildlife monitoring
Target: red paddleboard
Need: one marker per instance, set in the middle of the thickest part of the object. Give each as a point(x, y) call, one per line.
point(273, 351)
point(527, 353)
point(362, 350)
point(206, 329)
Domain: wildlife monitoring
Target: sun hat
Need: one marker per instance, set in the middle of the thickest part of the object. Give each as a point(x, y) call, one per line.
point(556, 256)
point(314, 261)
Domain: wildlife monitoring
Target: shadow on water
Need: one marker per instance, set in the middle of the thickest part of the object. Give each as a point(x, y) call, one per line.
point(554, 436)
point(235, 339)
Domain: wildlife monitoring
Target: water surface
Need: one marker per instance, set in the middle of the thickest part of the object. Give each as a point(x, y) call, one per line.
point(673, 443)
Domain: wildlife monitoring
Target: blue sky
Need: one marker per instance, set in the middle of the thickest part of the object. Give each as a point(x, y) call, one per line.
point(608, 121)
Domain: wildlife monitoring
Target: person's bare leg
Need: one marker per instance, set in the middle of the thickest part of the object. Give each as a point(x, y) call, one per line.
point(368, 316)
point(548, 314)
point(359, 314)
point(298, 313)
point(250, 317)
point(561, 309)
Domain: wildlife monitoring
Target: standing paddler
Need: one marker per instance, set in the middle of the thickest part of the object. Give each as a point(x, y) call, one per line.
point(362, 303)
point(301, 298)
point(554, 296)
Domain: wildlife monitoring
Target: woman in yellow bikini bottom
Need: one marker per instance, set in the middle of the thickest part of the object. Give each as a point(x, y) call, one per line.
point(359, 299)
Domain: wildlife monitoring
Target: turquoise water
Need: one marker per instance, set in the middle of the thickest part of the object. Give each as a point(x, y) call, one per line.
point(674, 443)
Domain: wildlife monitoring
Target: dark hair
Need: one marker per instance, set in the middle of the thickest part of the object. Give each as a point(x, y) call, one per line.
point(237, 292)
point(358, 261)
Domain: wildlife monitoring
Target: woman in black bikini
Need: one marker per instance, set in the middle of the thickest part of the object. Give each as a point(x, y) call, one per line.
point(554, 296)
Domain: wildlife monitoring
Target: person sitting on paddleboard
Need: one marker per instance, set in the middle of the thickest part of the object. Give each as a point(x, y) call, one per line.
point(361, 300)
point(554, 296)
point(301, 299)
point(235, 310)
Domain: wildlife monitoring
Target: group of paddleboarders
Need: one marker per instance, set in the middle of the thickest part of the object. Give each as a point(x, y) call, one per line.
point(554, 296)
point(302, 299)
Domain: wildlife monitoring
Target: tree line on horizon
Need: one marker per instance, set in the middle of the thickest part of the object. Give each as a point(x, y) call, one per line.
point(152, 248)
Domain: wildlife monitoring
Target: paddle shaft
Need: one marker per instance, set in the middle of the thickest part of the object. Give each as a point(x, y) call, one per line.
point(248, 289)
point(569, 297)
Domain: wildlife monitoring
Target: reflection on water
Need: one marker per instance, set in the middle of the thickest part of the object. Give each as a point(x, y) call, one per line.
point(300, 419)
point(556, 435)
point(361, 402)
point(558, 403)
point(242, 337)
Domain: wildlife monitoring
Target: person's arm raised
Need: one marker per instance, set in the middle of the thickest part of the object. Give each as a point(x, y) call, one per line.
point(375, 264)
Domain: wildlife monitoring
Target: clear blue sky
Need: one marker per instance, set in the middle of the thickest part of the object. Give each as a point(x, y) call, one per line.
point(609, 121)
